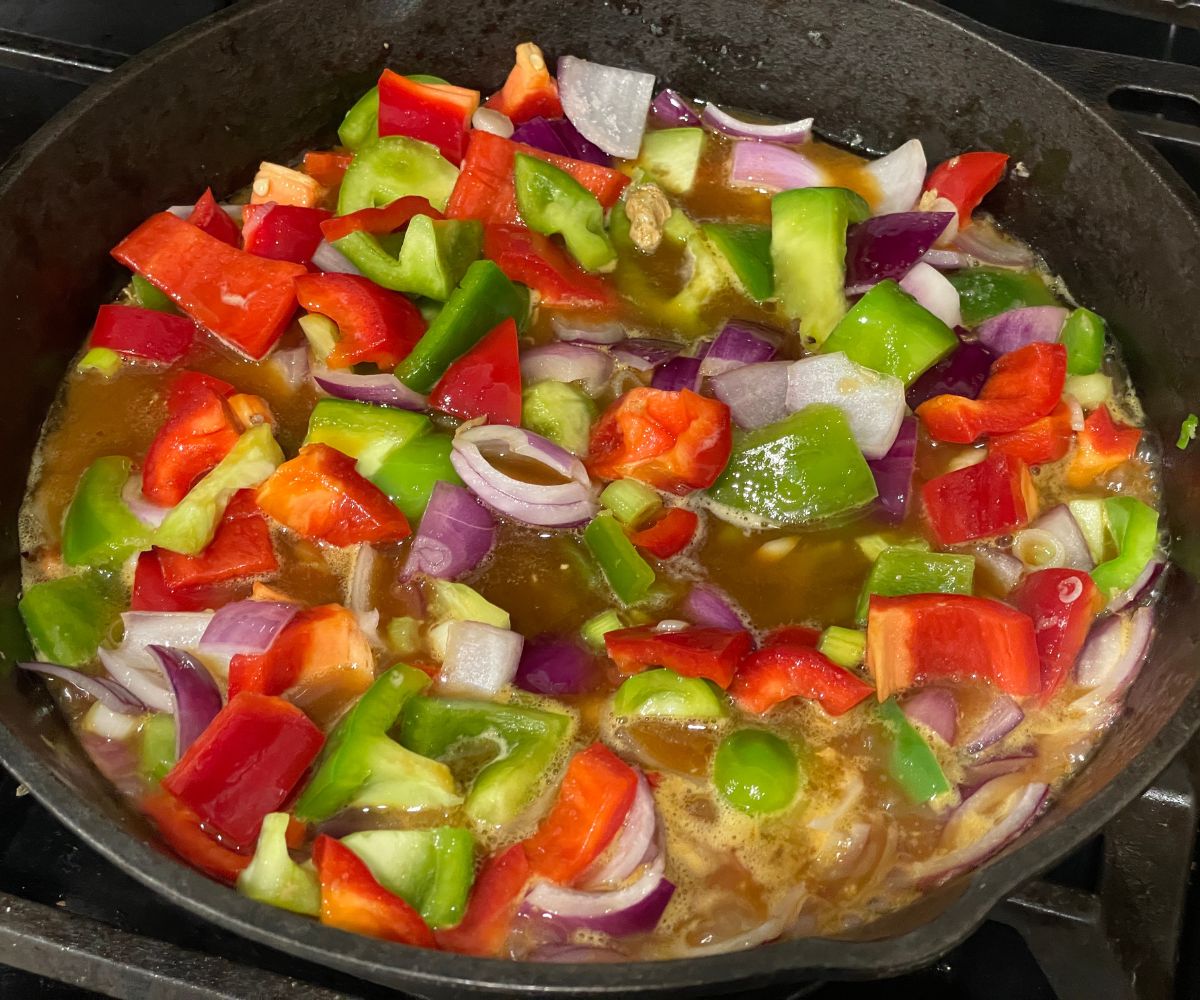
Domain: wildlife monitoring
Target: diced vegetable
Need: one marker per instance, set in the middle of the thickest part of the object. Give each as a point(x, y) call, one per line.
point(437, 113)
point(630, 501)
point(561, 412)
point(68, 618)
point(1083, 337)
point(911, 763)
point(989, 498)
point(366, 433)
point(846, 647)
point(1134, 530)
point(900, 571)
point(1101, 446)
point(273, 877)
point(747, 249)
point(710, 653)
point(552, 202)
point(785, 669)
point(664, 694)
point(671, 157)
point(988, 291)
point(756, 772)
point(484, 382)
point(100, 530)
point(629, 575)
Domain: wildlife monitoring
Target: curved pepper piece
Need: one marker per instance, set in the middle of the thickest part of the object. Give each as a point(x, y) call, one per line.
point(698, 651)
point(100, 530)
point(282, 232)
point(779, 672)
point(492, 905)
point(669, 535)
point(150, 334)
point(1102, 445)
point(911, 763)
point(965, 180)
point(437, 113)
point(529, 91)
point(1062, 604)
point(981, 500)
point(552, 202)
point(198, 433)
point(534, 260)
point(1044, 440)
point(374, 325)
point(210, 217)
point(1134, 530)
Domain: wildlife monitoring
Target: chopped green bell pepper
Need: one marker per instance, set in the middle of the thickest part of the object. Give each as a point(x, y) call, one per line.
point(1134, 530)
point(889, 331)
point(630, 500)
point(900, 571)
point(805, 468)
point(808, 252)
point(409, 473)
point(483, 300)
point(988, 291)
point(1083, 337)
point(433, 257)
point(527, 739)
point(629, 575)
point(368, 434)
point(431, 870)
point(100, 359)
point(873, 546)
point(68, 618)
point(147, 296)
point(756, 772)
point(361, 124)
point(392, 167)
point(156, 755)
point(1187, 431)
point(747, 248)
point(847, 647)
point(559, 411)
point(551, 202)
point(361, 766)
point(664, 694)
point(911, 763)
point(671, 157)
point(100, 530)
point(273, 877)
point(191, 524)
point(595, 628)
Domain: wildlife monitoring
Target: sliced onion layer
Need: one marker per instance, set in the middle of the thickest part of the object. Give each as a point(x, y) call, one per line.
point(873, 402)
point(196, 698)
point(607, 104)
point(246, 627)
point(567, 363)
point(381, 390)
point(633, 845)
point(1140, 589)
point(1018, 328)
point(1001, 570)
point(108, 692)
point(634, 909)
point(331, 260)
point(789, 133)
point(555, 665)
point(887, 246)
point(739, 343)
point(894, 473)
point(292, 366)
point(755, 394)
point(1114, 652)
point(961, 374)
point(1060, 524)
point(705, 605)
point(899, 176)
point(772, 168)
point(935, 709)
point(455, 536)
point(574, 330)
point(150, 514)
point(677, 374)
point(1003, 715)
point(673, 109)
point(559, 136)
point(480, 659)
point(934, 292)
point(986, 244)
point(643, 353)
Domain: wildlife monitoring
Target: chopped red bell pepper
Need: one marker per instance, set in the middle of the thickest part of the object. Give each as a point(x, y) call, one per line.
point(143, 333)
point(1044, 440)
point(530, 91)
point(326, 167)
point(245, 764)
point(1102, 445)
point(181, 828)
point(211, 218)
point(485, 191)
point(199, 431)
point(1023, 386)
point(151, 593)
point(436, 113)
point(669, 535)
point(484, 382)
point(675, 441)
point(245, 300)
point(793, 635)
point(924, 637)
point(979, 501)
point(699, 651)
point(282, 232)
point(965, 179)
point(240, 548)
point(379, 221)
point(776, 673)
point(534, 260)
point(374, 324)
point(318, 494)
point(592, 802)
point(493, 903)
point(1062, 604)
point(353, 900)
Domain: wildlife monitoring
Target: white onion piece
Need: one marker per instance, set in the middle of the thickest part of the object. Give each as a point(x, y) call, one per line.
point(1076, 411)
point(567, 363)
point(331, 260)
point(755, 394)
point(796, 132)
point(103, 721)
point(491, 120)
point(607, 104)
point(137, 670)
point(150, 514)
point(1113, 654)
point(179, 629)
point(933, 290)
point(292, 366)
point(900, 176)
point(1060, 523)
point(480, 659)
point(1002, 570)
point(631, 846)
point(358, 590)
point(873, 403)
point(572, 330)
point(983, 241)
point(1002, 717)
point(947, 260)
point(772, 168)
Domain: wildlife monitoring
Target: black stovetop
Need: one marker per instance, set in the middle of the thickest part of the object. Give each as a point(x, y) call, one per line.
point(1111, 923)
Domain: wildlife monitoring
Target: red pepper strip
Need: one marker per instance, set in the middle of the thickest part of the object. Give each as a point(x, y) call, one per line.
point(379, 221)
point(151, 593)
point(199, 431)
point(965, 179)
point(143, 333)
point(437, 113)
point(1062, 604)
point(926, 637)
point(493, 903)
point(592, 802)
point(181, 829)
point(1023, 386)
point(777, 673)
point(318, 494)
point(211, 218)
point(282, 232)
point(675, 441)
point(352, 900)
point(240, 548)
point(1102, 445)
point(245, 300)
point(484, 382)
point(245, 764)
point(534, 260)
point(373, 324)
point(793, 635)
point(669, 535)
point(699, 651)
point(530, 91)
point(1044, 440)
point(484, 189)
point(979, 501)
point(326, 168)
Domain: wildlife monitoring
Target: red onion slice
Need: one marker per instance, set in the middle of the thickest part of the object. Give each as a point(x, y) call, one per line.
point(1020, 327)
point(572, 330)
point(791, 133)
point(983, 241)
point(246, 627)
point(705, 605)
point(947, 260)
point(894, 473)
point(873, 403)
point(1060, 523)
point(1001, 718)
point(961, 374)
point(900, 176)
point(933, 291)
point(196, 697)
point(936, 709)
point(772, 168)
point(739, 343)
point(381, 390)
point(1141, 587)
point(674, 110)
point(755, 394)
point(607, 104)
point(1113, 653)
point(632, 846)
point(481, 659)
point(150, 514)
point(887, 246)
point(567, 363)
point(635, 909)
point(978, 775)
point(559, 136)
point(362, 576)
point(331, 260)
point(676, 374)
point(292, 366)
point(105, 690)
point(455, 536)
point(135, 670)
point(555, 665)
point(643, 353)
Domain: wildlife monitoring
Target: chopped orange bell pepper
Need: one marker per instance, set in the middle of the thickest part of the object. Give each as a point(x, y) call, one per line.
point(285, 186)
point(1045, 440)
point(1101, 446)
point(530, 91)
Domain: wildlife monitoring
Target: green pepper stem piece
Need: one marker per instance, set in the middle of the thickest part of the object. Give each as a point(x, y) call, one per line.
point(595, 628)
point(847, 647)
point(630, 501)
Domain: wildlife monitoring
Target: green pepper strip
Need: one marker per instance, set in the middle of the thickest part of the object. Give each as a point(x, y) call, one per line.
point(552, 202)
point(911, 763)
point(100, 529)
point(629, 575)
point(361, 124)
point(1083, 337)
point(434, 256)
point(986, 291)
point(68, 618)
point(899, 571)
point(1134, 530)
point(664, 694)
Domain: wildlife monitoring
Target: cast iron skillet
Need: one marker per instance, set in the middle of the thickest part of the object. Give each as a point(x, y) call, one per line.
point(271, 78)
